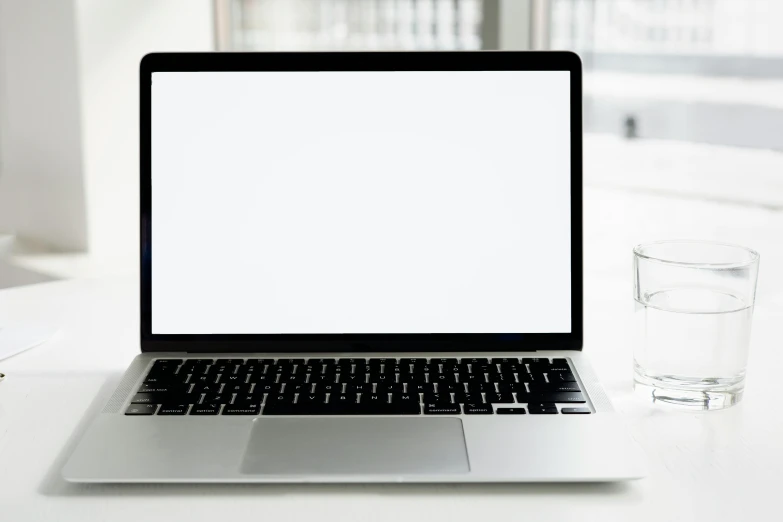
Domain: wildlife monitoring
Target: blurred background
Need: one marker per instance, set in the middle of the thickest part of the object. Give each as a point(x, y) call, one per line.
point(683, 106)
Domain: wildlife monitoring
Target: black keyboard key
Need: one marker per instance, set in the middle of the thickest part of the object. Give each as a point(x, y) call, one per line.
point(503, 378)
point(478, 387)
point(194, 370)
point(510, 368)
point(474, 360)
point(510, 411)
point(261, 362)
point(404, 398)
point(163, 378)
point(309, 368)
point(298, 387)
point(330, 362)
point(442, 377)
point(217, 369)
point(206, 387)
point(290, 362)
point(279, 398)
point(437, 398)
point(535, 360)
point(250, 368)
point(203, 379)
point(342, 400)
point(301, 377)
point(279, 408)
point(478, 409)
point(167, 362)
point(441, 409)
point(472, 377)
point(404, 408)
point(247, 398)
point(352, 378)
point(541, 408)
point(550, 387)
point(164, 388)
point(380, 361)
point(483, 368)
point(561, 397)
point(268, 388)
point(342, 362)
point(462, 398)
point(374, 398)
point(236, 388)
point(205, 409)
point(323, 378)
point(328, 387)
point(443, 387)
point(279, 368)
point(559, 367)
point(561, 377)
point(390, 387)
point(417, 378)
point(505, 360)
point(420, 387)
point(242, 409)
point(311, 398)
point(141, 409)
point(230, 361)
point(530, 377)
point(359, 387)
point(173, 409)
point(449, 361)
point(232, 378)
point(397, 369)
point(219, 398)
point(573, 411)
point(499, 398)
point(149, 398)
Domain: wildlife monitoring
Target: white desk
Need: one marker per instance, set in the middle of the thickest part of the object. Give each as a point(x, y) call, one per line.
point(715, 466)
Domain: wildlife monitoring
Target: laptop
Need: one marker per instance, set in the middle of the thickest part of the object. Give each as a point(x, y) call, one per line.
point(359, 267)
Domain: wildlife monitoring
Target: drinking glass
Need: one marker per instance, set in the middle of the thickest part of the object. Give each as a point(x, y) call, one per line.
point(693, 312)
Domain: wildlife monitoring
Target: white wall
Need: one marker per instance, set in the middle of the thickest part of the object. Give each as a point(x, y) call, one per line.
point(113, 36)
point(41, 178)
point(69, 115)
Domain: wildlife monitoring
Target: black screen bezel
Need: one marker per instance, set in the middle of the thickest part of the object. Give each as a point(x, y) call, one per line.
point(364, 61)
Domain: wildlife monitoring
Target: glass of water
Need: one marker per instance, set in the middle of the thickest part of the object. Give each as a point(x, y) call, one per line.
point(694, 306)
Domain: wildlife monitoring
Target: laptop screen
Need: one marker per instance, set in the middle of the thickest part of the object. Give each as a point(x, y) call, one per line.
point(360, 202)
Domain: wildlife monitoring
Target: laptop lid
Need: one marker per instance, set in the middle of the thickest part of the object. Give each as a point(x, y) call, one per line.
point(361, 201)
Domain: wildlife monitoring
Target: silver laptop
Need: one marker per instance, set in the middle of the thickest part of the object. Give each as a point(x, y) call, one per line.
point(359, 267)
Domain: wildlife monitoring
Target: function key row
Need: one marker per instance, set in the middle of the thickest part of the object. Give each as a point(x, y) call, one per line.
point(383, 360)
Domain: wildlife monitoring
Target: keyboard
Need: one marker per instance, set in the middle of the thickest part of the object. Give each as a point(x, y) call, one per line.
point(375, 386)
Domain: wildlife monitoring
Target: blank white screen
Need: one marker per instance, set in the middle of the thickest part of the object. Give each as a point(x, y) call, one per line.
point(360, 202)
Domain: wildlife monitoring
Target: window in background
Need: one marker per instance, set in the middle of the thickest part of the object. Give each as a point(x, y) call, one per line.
point(315, 25)
point(680, 95)
point(697, 86)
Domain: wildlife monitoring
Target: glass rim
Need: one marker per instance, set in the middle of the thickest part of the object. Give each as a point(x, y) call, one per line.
point(753, 255)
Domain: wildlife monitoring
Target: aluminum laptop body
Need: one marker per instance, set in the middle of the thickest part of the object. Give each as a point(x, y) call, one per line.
point(367, 268)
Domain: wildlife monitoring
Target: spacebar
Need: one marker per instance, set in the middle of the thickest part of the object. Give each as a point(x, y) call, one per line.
point(411, 408)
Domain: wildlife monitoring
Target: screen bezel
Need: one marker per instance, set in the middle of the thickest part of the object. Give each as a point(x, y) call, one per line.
point(363, 61)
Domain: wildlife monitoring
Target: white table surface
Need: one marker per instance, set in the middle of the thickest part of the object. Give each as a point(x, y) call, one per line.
point(703, 466)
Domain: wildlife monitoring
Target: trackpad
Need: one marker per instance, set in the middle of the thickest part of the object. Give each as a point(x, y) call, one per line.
point(344, 446)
